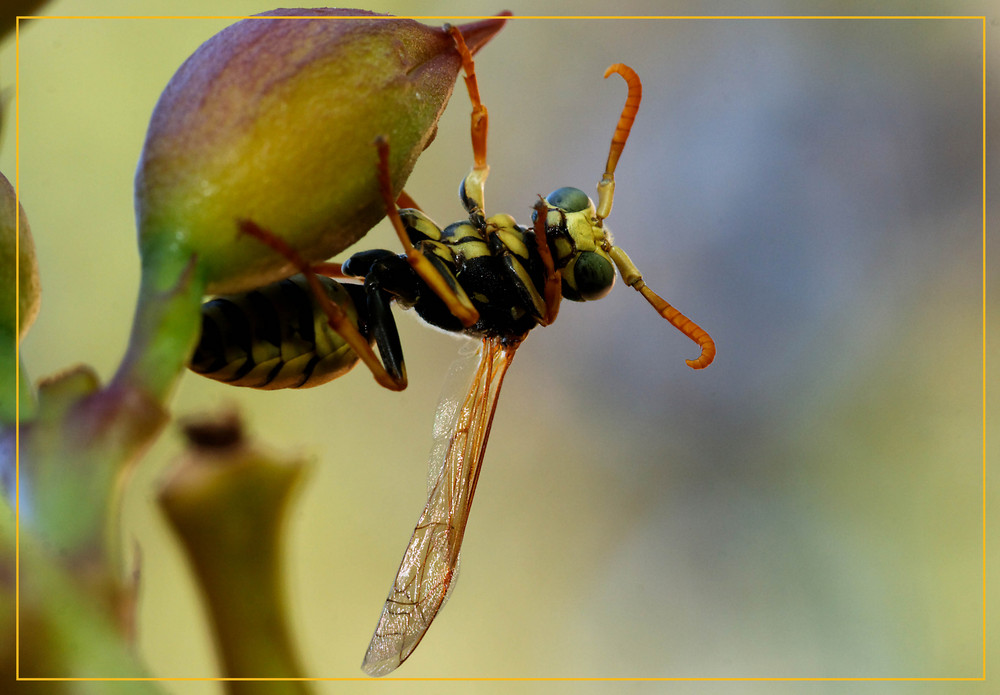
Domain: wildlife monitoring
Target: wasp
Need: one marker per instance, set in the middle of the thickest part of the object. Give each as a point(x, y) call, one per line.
point(486, 277)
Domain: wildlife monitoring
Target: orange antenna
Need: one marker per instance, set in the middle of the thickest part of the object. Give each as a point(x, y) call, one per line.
point(606, 188)
point(633, 278)
point(685, 325)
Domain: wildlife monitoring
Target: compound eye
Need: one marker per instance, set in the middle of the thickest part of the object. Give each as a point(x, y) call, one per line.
point(569, 199)
point(592, 275)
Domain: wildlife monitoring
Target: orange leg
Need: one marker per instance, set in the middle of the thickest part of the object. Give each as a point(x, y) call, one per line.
point(454, 297)
point(334, 314)
point(553, 277)
point(480, 118)
point(403, 200)
point(475, 182)
point(330, 270)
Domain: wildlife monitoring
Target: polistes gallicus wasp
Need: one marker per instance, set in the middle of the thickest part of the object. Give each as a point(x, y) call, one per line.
point(486, 277)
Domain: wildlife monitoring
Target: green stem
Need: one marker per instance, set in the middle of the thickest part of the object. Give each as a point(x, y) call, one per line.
point(166, 325)
point(227, 504)
point(64, 632)
point(76, 454)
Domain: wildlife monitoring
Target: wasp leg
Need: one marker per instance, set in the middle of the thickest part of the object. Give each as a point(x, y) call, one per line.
point(403, 200)
point(480, 117)
point(553, 276)
point(606, 188)
point(452, 295)
point(472, 191)
point(330, 270)
point(389, 277)
point(336, 317)
point(381, 323)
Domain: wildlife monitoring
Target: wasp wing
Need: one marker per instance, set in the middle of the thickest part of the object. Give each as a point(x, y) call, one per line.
point(430, 563)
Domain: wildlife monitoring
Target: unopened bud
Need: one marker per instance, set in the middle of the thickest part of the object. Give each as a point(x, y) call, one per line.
point(272, 120)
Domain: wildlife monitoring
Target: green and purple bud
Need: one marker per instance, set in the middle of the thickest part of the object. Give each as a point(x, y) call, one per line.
point(273, 120)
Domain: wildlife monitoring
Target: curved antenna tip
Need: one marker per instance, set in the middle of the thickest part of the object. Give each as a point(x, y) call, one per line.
point(706, 343)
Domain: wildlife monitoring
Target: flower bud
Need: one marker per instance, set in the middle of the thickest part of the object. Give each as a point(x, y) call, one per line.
point(273, 120)
point(14, 225)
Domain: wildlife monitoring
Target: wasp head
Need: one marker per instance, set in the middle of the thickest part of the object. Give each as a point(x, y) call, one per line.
point(579, 244)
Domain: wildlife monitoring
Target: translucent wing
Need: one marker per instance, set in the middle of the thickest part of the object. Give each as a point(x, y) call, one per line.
point(430, 563)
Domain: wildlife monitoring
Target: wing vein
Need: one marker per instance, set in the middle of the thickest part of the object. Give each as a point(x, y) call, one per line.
point(429, 567)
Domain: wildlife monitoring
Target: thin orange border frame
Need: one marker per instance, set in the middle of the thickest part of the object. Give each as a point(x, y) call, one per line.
point(17, 385)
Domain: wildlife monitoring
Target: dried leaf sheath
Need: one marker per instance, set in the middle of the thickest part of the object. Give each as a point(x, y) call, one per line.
point(429, 565)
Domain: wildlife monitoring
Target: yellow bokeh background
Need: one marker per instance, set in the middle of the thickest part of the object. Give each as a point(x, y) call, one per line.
point(808, 190)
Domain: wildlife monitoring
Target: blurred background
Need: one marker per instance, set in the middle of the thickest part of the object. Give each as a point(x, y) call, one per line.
point(808, 190)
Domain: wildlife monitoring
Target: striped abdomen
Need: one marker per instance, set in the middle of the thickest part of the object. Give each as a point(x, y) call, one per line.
point(276, 337)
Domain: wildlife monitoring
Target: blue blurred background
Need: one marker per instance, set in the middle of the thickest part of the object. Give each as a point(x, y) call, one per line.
point(808, 190)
